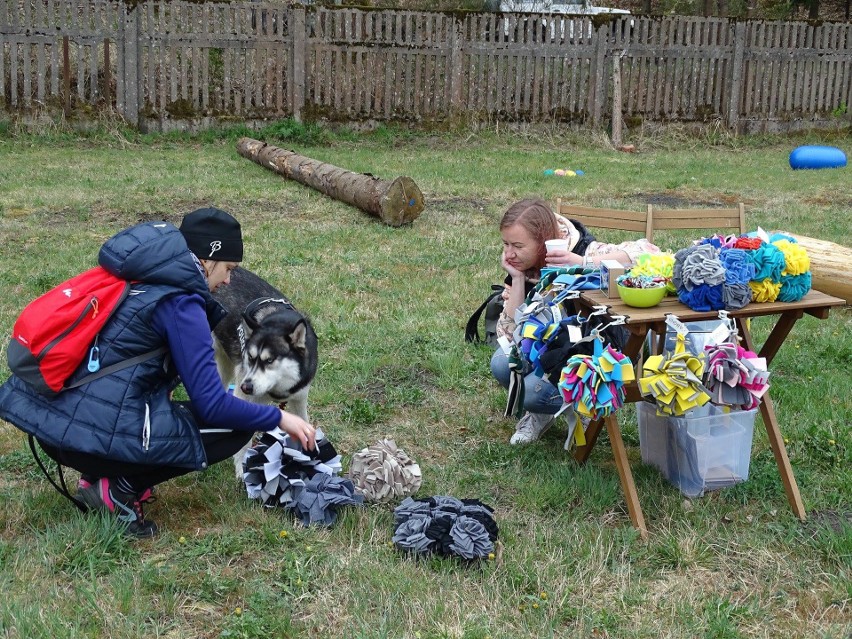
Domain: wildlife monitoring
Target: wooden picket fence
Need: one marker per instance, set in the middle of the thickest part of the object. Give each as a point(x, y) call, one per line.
point(189, 60)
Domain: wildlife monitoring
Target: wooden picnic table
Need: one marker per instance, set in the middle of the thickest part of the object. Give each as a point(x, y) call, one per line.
point(640, 321)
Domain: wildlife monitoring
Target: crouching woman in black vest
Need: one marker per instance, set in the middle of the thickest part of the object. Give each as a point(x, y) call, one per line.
point(525, 228)
point(122, 431)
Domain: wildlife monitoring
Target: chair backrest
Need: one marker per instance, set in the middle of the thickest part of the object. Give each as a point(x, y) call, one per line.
point(616, 219)
point(656, 219)
point(718, 219)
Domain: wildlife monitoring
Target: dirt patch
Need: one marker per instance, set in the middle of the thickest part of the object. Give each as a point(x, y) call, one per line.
point(401, 378)
point(831, 519)
point(828, 201)
point(459, 202)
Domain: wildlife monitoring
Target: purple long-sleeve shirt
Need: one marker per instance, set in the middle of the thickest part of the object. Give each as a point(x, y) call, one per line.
point(181, 320)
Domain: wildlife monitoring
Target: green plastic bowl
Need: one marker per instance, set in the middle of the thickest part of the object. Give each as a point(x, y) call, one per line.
point(641, 297)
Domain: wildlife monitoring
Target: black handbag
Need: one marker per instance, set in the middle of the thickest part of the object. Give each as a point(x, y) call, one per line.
point(492, 307)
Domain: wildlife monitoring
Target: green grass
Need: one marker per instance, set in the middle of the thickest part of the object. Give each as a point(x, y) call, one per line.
point(389, 306)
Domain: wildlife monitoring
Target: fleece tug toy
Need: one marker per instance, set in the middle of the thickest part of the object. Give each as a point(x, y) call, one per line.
point(674, 381)
point(383, 472)
point(445, 526)
point(735, 376)
point(279, 472)
point(593, 385)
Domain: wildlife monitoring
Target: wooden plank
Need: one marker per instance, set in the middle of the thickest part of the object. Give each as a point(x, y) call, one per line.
point(668, 225)
point(3, 56)
point(173, 47)
point(811, 43)
point(226, 73)
point(628, 486)
point(824, 104)
point(41, 71)
point(834, 71)
point(801, 71)
point(653, 76)
point(13, 72)
point(679, 65)
point(776, 84)
point(785, 88)
point(600, 74)
point(280, 74)
point(519, 77)
point(708, 42)
point(205, 52)
point(662, 80)
point(389, 75)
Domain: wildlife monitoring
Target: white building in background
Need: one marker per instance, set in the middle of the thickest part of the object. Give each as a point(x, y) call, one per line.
point(549, 6)
point(580, 9)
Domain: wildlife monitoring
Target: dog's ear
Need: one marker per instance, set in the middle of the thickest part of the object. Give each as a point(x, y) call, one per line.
point(298, 336)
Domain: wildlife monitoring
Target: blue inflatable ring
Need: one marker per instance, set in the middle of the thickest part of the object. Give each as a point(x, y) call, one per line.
point(817, 157)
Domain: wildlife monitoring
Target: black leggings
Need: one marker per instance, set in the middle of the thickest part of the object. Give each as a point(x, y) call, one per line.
point(218, 446)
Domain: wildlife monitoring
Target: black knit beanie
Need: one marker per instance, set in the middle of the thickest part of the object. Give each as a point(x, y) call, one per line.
point(213, 234)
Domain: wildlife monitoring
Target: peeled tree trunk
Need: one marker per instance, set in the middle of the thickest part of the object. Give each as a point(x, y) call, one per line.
point(829, 265)
point(395, 202)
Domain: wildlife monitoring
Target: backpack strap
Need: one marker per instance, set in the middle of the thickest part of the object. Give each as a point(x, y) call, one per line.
point(118, 366)
point(471, 329)
point(61, 489)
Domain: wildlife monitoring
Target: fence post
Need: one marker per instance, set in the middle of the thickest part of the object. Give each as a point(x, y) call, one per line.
point(600, 73)
point(735, 91)
point(297, 62)
point(130, 48)
point(616, 99)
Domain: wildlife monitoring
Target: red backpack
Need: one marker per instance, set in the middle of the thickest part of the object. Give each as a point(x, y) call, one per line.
point(56, 331)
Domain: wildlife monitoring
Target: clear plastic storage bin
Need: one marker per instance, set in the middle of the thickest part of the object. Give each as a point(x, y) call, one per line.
point(697, 453)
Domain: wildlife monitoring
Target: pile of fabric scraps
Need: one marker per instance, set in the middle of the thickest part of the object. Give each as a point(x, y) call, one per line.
point(445, 526)
point(699, 277)
point(674, 381)
point(632, 280)
point(383, 472)
point(796, 276)
point(659, 265)
point(280, 473)
point(593, 385)
point(768, 263)
point(739, 271)
point(735, 376)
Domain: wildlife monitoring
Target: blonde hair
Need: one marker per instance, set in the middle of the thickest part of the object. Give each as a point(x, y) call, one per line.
point(539, 221)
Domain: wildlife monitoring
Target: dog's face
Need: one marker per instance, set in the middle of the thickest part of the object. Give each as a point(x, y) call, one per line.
point(274, 356)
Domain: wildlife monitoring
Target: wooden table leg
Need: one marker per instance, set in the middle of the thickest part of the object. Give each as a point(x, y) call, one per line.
point(581, 453)
point(776, 441)
point(777, 336)
point(627, 484)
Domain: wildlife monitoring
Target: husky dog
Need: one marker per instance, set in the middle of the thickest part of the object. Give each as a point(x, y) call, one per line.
point(264, 346)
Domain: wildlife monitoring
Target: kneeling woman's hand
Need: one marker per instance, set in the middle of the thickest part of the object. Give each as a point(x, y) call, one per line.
point(297, 427)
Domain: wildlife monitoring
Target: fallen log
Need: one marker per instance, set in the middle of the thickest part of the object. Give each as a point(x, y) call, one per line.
point(395, 202)
point(829, 266)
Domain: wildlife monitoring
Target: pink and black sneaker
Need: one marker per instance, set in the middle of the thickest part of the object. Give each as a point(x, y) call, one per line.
point(127, 507)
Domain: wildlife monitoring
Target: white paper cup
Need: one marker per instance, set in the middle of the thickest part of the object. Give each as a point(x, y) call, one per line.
point(556, 245)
